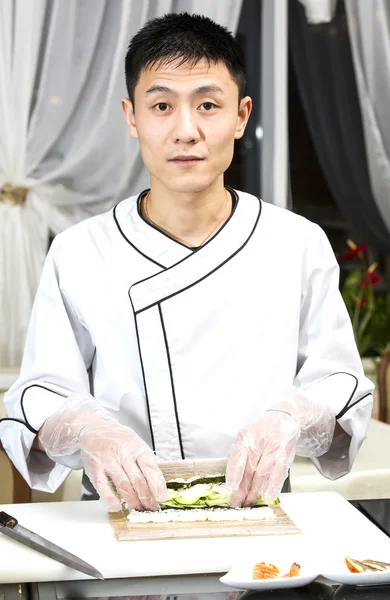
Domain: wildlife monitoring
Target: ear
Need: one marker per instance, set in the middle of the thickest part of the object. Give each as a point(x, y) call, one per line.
point(128, 111)
point(244, 112)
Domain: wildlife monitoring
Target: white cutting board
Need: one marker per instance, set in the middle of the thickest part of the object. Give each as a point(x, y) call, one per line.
point(328, 522)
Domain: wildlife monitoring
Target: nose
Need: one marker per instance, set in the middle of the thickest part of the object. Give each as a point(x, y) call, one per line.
point(185, 127)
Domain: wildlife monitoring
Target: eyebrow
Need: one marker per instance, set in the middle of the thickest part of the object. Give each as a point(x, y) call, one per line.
point(204, 89)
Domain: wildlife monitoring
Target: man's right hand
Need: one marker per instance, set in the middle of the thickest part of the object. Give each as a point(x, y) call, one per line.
point(83, 434)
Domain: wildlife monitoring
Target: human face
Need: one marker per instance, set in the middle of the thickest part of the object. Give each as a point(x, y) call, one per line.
point(182, 112)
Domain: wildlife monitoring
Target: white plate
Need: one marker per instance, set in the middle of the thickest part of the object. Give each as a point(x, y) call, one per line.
point(240, 574)
point(337, 570)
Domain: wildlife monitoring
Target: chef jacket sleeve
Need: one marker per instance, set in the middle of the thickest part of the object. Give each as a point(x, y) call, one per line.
point(57, 355)
point(329, 368)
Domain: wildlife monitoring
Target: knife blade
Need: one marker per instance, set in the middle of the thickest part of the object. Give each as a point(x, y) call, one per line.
point(10, 527)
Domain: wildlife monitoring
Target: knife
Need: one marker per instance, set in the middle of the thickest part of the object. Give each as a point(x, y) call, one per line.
point(10, 527)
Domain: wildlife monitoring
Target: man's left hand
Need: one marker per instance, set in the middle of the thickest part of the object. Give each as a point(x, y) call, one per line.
point(263, 452)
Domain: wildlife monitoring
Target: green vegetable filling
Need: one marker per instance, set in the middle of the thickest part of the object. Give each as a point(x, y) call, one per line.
point(201, 495)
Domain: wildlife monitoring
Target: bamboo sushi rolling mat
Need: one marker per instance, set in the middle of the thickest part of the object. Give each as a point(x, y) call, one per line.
point(126, 531)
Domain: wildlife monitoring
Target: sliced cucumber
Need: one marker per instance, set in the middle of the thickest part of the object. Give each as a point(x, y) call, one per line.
point(170, 504)
point(203, 495)
point(191, 495)
point(218, 503)
point(171, 495)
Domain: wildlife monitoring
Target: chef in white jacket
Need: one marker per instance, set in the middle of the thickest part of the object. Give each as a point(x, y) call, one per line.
point(192, 320)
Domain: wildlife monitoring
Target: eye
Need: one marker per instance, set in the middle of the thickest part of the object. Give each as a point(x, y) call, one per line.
point(207, 106)
point(162, 106)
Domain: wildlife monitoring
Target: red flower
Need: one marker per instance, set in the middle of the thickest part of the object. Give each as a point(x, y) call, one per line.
point(369, 278)
point(360, 301)
point(355, 251)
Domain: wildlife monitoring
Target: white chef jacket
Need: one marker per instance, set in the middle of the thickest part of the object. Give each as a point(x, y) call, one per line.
point(187, 347)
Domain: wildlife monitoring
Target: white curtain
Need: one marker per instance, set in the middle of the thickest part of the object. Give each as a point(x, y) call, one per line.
point(274, 51)
point(319, 11)
point(65, 152)
point(369, 32)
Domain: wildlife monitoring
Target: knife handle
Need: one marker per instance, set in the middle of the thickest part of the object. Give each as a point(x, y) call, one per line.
point(7, 520)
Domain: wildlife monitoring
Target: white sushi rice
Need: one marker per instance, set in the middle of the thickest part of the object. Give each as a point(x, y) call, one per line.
point(201, 514)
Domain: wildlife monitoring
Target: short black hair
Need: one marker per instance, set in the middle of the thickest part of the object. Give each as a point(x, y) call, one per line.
point(190, 38)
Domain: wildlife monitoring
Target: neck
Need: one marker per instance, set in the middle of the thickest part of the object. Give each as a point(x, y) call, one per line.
point(188, 216)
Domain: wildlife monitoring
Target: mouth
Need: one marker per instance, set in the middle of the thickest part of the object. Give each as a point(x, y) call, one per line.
point(186, 160)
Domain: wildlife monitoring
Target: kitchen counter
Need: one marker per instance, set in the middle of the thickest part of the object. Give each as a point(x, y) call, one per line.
point(326, 519)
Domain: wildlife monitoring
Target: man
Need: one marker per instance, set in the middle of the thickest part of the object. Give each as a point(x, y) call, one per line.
point(209, 321)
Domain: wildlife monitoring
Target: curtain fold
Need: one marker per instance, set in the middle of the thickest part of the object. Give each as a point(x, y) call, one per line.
point(274, 60)
point(63, 139)
point(319, 11)
point(323, 64)
point(369, 31)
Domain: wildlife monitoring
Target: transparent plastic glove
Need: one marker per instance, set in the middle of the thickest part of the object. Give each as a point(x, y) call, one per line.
point(83, 434)
point(263, 452)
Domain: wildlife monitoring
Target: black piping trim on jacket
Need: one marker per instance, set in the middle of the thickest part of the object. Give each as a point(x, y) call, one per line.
point(192, 253)
point(346, 408)
point(22, 398)
point(201, 278)
point(234, 202)
point(131, 243)
point(143, 377)
point(20, 421)
point(172, 381)
point(25, 422)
